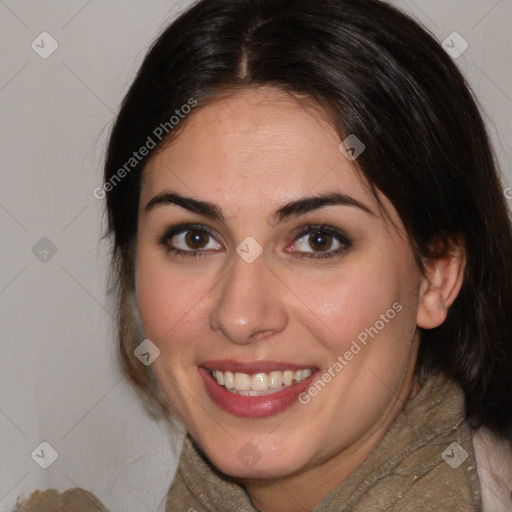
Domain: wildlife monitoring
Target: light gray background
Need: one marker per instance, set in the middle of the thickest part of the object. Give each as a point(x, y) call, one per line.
point(59, 381)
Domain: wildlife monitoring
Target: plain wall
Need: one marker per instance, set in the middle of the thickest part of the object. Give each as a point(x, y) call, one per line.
point(59, 379)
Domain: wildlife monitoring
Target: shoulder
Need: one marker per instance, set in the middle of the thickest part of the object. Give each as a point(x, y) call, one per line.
point(494, 466)
point(72, 500)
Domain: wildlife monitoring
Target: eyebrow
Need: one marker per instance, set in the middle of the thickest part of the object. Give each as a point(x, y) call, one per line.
point(291, 209)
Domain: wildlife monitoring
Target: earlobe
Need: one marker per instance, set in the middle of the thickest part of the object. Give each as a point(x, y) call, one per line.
point(439, 287)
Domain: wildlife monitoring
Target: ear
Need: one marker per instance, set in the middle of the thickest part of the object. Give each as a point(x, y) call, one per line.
point(440, 286)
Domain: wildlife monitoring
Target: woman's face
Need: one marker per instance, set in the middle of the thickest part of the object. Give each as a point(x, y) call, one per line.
point(257, 294)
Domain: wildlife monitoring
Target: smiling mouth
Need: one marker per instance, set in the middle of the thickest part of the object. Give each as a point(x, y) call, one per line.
point(259, 384)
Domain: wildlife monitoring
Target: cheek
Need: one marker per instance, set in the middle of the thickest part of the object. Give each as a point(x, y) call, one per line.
point(168, 300)
point(354, 298)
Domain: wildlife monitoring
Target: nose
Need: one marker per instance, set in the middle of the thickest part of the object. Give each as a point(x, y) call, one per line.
point(249, 304)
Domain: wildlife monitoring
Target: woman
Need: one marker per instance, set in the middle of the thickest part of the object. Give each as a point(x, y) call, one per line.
point(310, 236)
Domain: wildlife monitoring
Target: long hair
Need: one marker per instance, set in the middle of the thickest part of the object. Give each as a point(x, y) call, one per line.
point(380, 76)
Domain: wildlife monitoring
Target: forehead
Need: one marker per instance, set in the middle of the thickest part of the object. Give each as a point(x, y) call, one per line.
point(259, 146)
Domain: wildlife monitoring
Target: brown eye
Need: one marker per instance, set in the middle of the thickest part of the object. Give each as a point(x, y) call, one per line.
point(320, 241)
point(196, 239)
point(189, 240)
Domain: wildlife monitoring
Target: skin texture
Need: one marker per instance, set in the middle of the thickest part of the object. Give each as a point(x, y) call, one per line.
point(250, 153)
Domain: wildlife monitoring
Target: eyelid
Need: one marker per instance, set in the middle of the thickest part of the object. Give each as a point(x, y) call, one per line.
point(338, 234)
point(324, 228)
point(182, 228)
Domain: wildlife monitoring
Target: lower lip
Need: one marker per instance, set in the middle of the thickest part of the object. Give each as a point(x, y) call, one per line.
point(253, 406)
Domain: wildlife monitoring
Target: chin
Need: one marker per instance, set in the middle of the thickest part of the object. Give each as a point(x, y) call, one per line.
point(252, 463)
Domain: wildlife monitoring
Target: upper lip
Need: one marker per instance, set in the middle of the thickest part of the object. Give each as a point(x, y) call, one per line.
point(250, 367)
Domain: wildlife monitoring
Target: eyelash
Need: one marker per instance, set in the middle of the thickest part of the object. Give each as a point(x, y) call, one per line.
point(307, 230)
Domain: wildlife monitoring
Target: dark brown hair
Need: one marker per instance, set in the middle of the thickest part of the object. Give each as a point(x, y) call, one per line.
point(382, 77)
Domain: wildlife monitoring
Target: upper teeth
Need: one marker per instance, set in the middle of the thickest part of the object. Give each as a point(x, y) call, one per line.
point(259, 381)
